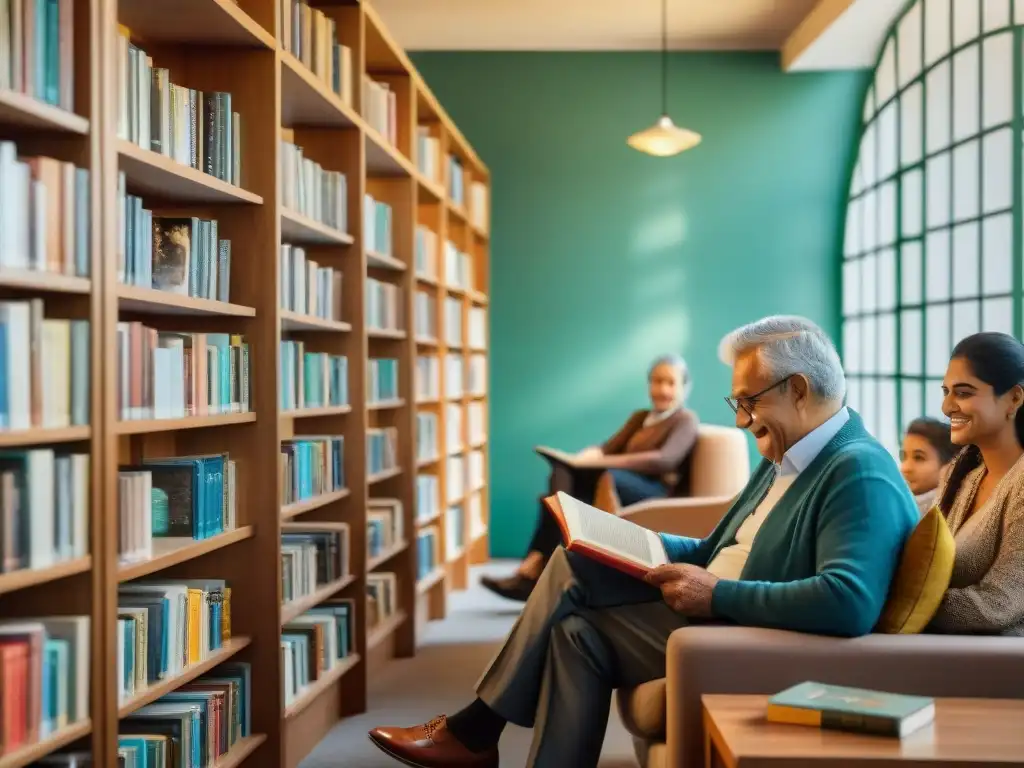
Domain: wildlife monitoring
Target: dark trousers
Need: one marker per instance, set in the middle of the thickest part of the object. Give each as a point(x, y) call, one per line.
point(631, 488)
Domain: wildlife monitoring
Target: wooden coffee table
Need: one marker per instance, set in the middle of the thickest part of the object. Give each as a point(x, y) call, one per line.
point(966, 732)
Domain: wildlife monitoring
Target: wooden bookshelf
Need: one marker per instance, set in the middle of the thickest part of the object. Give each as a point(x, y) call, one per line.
point(220, 45)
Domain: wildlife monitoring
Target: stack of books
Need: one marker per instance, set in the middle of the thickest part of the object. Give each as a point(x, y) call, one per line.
point(428, 153)
point(311, 190)
point(425, 252)
point(308, 288)
point(428, 378)
point(428, 547)
point(315, 643)
point(311, 36)
point(427, 437)
point(381, 449)
point(381, 380)
point(383, 308)
point(425, 320)
point(37, 57)
point(456, 180)
point(384, 526)
point(312, 555)
point(377, 218)
point(381, 598)
point(312, 379)
point(380, 108)
point(311, 466)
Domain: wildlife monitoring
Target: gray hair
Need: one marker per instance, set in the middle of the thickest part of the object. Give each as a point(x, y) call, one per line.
point(788, 345)
point(677, 363)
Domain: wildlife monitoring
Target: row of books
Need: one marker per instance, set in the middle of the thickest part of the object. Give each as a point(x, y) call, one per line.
point(194, 725)
point(381, 380)
point(44, 666)
point(477, 328)
point(428, 378)
point(428, 496)
point(194, 128)
point(458, 380)
point(44, 368)
point(381, 598)
point(425, 315)
point(384, 526)
point(453, 428)
point(454, 375)
point(476, 381)
point(455, 479)
point(381, 449)
point(425, 252)
point(383, 308)
point(426, 436)
point(44, 508)
point(307, 287)
point(312, 190)
point(180, 255)
point(458, 267)
point(165, 626)
point(453, 321)
point(477, 423)
point(311, 36)
point(454, 532)
point(170, 375)
point(311, 466)
point(377, 226)
point(380, 108)
point(165, 502)
point(479, 205)
point(428, 551)
point(428, 153)
point(311, 379)
point(37, 51)
point(315, 643)
point(45, 221)
point(456, 180)
point(312, 555)
point(474, 471)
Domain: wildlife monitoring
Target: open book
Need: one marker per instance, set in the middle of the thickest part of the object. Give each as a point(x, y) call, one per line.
point(568, 459)
point(609, 539)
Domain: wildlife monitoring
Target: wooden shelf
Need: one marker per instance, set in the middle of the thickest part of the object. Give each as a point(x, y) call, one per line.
point(431, 580)
point(168, 552)
point(381, 261)
point(317, 687)
point(294, 321)
point(373, 563)
point(295, 608)
point(383, 158)
point(308, 505)
point(30, 577)
point(30, 753)
point(240, 751)
point(312, 413)
point(386, 474)
point(150, 173)
point(43, 436)
point(152, 301)
point(196, 22)
point(384, 405)
point(145, 426)
point(383, 630)
point(385, 333)
point(306, 100)
point(152, 693)
point(302, 230)
point(27, 112)
point(43, 282)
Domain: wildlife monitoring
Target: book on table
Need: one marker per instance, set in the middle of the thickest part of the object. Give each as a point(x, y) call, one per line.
point(606, 538)
point(851, 709)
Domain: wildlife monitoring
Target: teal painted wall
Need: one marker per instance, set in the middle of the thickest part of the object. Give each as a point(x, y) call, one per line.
point(603, 258)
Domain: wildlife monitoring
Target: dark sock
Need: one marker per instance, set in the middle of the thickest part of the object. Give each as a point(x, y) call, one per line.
point(477, 727)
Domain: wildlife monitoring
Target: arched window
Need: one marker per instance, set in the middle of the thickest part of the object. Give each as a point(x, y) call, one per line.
point(932, 248)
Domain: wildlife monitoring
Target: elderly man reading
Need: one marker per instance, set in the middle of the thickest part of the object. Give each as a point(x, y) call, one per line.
point(810, 545)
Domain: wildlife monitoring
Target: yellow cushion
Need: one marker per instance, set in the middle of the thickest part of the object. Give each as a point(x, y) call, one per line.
point(922, 577)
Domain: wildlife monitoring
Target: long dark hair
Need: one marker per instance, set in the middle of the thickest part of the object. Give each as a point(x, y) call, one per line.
point(998, 360)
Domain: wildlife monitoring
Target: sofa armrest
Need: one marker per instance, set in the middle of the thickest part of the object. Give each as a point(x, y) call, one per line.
point(694, 517)
point(765, 661)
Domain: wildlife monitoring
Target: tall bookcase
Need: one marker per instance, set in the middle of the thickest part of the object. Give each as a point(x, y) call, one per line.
point(224, 46)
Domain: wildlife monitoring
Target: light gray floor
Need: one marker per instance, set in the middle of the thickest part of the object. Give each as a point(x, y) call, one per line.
point(439, 680)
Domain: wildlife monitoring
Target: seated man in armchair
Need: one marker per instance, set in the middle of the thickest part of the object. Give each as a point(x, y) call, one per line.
point(811, 544)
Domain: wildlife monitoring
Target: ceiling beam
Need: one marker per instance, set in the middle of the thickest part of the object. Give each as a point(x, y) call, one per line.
point(839, 34)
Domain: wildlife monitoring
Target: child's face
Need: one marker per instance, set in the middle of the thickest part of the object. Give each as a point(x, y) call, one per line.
point(920, 464)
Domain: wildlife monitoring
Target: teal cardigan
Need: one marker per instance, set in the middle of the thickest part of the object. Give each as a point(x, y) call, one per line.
point(823, 559)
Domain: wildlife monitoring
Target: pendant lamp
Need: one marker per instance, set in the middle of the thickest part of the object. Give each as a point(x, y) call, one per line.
point(664, 138)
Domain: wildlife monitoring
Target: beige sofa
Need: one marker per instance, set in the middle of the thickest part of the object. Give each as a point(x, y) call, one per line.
point(664, 716)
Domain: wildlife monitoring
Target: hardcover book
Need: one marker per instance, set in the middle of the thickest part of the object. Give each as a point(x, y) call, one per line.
point(851, 709)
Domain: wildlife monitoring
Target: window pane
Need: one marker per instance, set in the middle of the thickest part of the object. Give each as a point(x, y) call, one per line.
point(851, 287)
point(937, 117)
point(965, 181)
point(965, 92)
point(887, 343)
point(936, 30)
point(869, 105)
point(887, 213)
point(856, 184)
point(997, 247)
point(910, 273)
point(966, 267)
point(966, 320)
point(938, 185)
point(854, 228)
point(885, 74)
point(937, 265)
point(933, 398)
point(851, 346)
point(997, 88)
point(911, 217)
point(911, 342)
point(912, 402)
point(1018, 13)
point(997, 315)
point(868, 155)
point(888, 428)
point(869, 404)
point(911, 124)
point(887, 141)
point(966, 21)
point(997, 164)
point(853, 394)
point(909, 58)
point(937, 346)
point(995, 14)
point(886, 270)
point(869, 220)
point(869, 283)
point(869, 344)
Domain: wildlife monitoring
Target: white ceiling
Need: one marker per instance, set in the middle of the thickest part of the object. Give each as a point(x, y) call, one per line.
point(590, 25)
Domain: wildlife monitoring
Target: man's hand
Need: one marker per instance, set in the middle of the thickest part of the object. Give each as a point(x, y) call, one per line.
point(589, 453)
point(686, 588)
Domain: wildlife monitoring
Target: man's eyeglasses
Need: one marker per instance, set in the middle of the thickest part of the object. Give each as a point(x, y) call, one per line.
point(749, 403)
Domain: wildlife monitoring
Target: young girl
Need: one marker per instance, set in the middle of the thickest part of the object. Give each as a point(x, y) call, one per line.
point(927, 449)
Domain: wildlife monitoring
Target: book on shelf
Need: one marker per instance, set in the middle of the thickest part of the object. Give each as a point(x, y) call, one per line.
point(44, 668)
point(428, 496)
point(428, 551)
point(477, 523)
point(425, 318)
point(455, 478)
point(453, 427)
point(194, 725)
point(311, 379)
point(45, 221)
point(425, 252)
point(456, 180)
point(381, 380)
point(44, 368)
point(313, 644)
point(377, 224)
point(312, 556)
point(164, 503)
point(455, 532)
point(458, 267)
point(454, 376)
point(477, 375)
point(195, 128)
point(381, 598)
point(380, 108)
point(381, 449)
point(475, 471)
point(340, 616)
point(427, 436)
point(383, 308)
point(453, 321)
point(311, 36)
point(428, 378)
point(479, 210)
point(310, 189)
point(165, 626)
point(851, 709)
point(477, 328)
point(477, 424)
point(385, 526)
point(428, 152)
point(37, 50)
point(180, 255)
point(172, 375)
point(308, 288)
point(608, 539)
point(311, 466)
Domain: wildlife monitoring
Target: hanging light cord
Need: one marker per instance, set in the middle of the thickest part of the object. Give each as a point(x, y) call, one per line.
point(664, 57)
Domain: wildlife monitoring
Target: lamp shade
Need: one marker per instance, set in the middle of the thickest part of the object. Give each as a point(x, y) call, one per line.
point(664, 139)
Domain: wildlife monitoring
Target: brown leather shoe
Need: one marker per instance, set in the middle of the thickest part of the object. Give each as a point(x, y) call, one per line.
point(514, 587)
point(430, 745)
